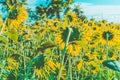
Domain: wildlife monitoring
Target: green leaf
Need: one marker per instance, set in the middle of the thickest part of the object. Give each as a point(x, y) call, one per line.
point(20, 38)
point(36, 61)
point(112, 64)
point(11, 77)
point(3, 39)
point(39, 61)
point(52, 76)
point(16, 56)
point(82, 43)
point(9, 48)
point(45, 46)
point(37, 37)
point(13, 35)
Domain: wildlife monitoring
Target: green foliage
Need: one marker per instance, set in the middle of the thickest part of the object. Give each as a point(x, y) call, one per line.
point(52, 49)
point(13, 35)
point(54, 7)
point(3, 39)
point(44, 46)
point(39, 61)
point(112, 64)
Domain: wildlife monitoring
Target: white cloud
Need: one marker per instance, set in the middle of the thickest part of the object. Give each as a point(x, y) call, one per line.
point(109, 12)
point(102, 9)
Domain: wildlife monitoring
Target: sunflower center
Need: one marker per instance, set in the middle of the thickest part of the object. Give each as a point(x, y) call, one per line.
point(55, 24)
point(70, 18)
point(89, 24)
point(13, 14)
point(85, 58)
point(107, 35)
point(94, 28)
point(85, 21)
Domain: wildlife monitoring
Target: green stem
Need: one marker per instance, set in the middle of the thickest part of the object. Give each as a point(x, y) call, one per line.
point(63, 53)
point(70, 67)
point(107, 47)
point(10, 9)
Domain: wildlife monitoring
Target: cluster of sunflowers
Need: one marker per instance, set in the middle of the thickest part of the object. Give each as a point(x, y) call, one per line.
point(57, 49)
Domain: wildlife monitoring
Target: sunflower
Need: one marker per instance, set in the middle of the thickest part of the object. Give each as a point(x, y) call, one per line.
point(95, 28)
point(28, 37)
point(23, 15)
point(73, 48)
point(112, 54)
point(79, 65)
point(91, 22)
point(70, 19)
point(94, 68)
point(63, 74)
point(12, 64)
point(90, 34)
point(44, 70)
point(54, 24)
point(92, 43)
point(90, 30)
point(101, 58)
point(16, 16)
point(109, 35)
point(116, 25)
point(47, 68)
point(1, 23)
point(42, 73)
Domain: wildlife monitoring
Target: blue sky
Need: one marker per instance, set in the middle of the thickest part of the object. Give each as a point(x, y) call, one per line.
point(101, 2)
point(99, 9)
point(95, 2)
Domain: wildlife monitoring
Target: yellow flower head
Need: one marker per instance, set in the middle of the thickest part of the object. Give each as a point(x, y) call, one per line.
point(16, 16)
point(12, 64)
point(109, 36)
point(70, 19)
point(73, 49)
point(79, 65)
point(63, 74)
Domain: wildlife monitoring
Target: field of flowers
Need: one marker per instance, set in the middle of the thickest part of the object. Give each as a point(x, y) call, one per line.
point(67, 48)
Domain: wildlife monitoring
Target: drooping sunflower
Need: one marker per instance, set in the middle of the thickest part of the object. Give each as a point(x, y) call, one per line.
point(47, 68)
point(61, 37)
point(44, 68)
point(73, 48)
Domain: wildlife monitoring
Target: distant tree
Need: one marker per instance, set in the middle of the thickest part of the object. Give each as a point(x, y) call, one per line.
point(52, 8)
point(5, 5)
point(79, 12)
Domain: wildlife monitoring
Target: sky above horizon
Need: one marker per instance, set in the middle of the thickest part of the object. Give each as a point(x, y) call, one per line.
point(98, 9)
point(100, 2)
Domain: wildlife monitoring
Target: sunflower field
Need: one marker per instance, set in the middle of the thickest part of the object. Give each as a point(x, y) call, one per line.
point(70, 47)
